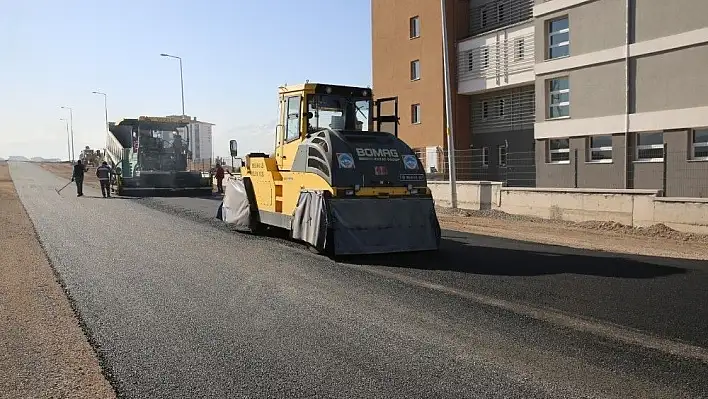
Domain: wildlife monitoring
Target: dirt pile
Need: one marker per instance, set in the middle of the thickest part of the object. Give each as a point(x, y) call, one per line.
point(659, 230)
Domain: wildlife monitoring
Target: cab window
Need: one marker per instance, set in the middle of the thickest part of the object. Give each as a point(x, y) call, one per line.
point(293, 119)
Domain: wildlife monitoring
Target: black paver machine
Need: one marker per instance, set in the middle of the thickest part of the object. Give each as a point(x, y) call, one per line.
point(150, 157)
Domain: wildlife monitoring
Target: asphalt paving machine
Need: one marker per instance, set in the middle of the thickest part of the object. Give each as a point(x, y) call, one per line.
point(336, 180)
point(90, 157)
point(149, 155)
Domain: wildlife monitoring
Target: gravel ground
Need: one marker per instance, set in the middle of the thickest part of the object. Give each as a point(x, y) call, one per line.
point(178, 308)
point(43, 351)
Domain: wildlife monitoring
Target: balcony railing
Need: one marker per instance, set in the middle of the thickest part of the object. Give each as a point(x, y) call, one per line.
point(506, 56)
point(508, 110)
point(499, 13)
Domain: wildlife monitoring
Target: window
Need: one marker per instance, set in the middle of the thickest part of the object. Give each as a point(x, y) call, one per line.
point(485, 156)
point(559, 150)
point(485, 57)
point(558, 98)
point(650, 146)
point(520, 45)
point(501, 150)
point(292, 123)
point(699, 144)
point(470, 61)
point(558, 38)
point(415, 113)
point(415, 27)
point(415, 70)
point(485, 110)
point(600, 148)
point(502, 103)
point(500, 12)
point(483, 18)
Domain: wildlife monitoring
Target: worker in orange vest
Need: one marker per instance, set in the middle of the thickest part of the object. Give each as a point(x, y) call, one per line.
point(219, 179)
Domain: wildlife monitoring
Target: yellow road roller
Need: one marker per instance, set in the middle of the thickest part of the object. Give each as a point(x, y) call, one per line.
point(336, 180)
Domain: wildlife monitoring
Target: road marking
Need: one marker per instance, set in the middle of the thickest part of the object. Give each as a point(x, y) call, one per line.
point(596, 327)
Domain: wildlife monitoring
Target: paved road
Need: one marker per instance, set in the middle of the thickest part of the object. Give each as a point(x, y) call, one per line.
point(666, 297)
point(180, 308)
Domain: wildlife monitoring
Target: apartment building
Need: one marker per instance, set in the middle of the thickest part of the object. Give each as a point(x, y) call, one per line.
point(407, 63)
point(201, 144)
point(491, 68)
point(620, 94)
point(554, 93)
point(496, 73)
point(200, 139)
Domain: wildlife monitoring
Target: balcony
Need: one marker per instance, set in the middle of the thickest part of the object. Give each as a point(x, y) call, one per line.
point(503, 111)
point(502, 59)
point(497, 14)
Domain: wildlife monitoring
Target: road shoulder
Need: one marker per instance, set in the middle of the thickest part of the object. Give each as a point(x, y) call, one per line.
point(43, 350)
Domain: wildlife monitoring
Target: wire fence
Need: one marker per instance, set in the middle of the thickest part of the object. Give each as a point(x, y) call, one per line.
point(514, 169)
point(677, 172)
point(208, 165)
point(682, 172)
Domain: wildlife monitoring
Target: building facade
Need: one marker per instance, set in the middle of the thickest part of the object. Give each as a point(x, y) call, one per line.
point(622, 106)
point(555, 93)
point(407, 63)
point(201, 143)
point(200, 140)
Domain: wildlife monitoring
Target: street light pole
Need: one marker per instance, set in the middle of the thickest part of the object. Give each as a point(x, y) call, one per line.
point(181, 82)
point(71, 122)
point(181, 77)
point(105, 106)
point(68, 138)
point(448, 110)
point(105, 110)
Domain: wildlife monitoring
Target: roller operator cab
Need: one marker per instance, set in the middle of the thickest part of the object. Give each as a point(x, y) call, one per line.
point(336, 179)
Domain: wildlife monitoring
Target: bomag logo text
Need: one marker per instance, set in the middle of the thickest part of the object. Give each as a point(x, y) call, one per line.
point(377, 154)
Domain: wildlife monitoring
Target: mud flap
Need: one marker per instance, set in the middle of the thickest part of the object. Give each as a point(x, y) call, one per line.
point(235, 209)
point(383, 225)
point(311, 219)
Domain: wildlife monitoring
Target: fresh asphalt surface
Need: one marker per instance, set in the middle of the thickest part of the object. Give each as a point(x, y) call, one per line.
point(179, 306)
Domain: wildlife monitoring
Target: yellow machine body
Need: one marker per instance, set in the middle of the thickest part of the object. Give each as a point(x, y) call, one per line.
point(330, 150)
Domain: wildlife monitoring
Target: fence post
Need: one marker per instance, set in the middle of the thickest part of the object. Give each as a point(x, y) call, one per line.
point(575, 168)
point(664, 172)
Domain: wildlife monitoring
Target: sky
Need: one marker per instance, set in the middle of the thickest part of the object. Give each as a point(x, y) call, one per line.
point(235, 54)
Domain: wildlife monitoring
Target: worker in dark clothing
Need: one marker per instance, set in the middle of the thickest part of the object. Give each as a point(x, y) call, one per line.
point(78, 178)
point(219, 179)
point(104, 173)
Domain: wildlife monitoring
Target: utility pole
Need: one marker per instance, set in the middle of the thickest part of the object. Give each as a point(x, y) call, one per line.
point(71, 122)
point(448, 110)
point(68, 138)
